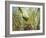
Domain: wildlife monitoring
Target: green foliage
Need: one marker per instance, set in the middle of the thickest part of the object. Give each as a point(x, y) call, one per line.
point(19, 22)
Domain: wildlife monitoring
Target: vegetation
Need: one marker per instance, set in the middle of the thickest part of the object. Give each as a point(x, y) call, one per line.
point(25, 18)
